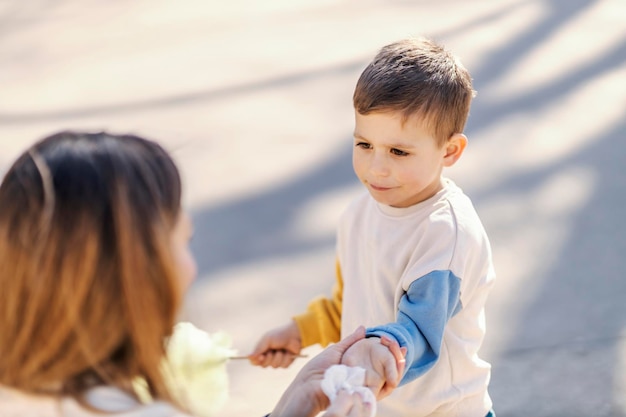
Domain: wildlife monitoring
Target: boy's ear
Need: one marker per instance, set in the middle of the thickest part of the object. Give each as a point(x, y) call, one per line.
point(454, 149)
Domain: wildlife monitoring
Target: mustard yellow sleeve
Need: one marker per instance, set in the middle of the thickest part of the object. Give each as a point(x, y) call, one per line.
point(322, 321)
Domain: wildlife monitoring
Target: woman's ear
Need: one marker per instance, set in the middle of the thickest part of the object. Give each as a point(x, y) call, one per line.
point(454, 149)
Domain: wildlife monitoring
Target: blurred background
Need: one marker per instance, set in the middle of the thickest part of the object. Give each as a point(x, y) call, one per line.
point(253, 99)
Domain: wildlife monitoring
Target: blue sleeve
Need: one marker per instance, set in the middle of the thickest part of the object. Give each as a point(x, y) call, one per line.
point(423, 312)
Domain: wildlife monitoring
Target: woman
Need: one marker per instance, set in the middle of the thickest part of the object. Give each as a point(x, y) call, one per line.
point(94, 261)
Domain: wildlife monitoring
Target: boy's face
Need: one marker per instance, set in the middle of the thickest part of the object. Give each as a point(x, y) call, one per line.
point(400, 164)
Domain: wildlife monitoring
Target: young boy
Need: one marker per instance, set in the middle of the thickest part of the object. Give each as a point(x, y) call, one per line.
point(413, 259)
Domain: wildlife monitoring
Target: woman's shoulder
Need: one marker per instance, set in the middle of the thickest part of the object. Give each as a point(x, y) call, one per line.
point(15, 403)
point(107, 399)
point(114, 400)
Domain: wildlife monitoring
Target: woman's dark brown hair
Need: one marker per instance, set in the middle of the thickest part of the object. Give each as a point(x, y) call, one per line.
point(89, 288)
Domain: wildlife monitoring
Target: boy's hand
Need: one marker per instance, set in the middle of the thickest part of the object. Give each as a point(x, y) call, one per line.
point(277, 348)
point(383, 361)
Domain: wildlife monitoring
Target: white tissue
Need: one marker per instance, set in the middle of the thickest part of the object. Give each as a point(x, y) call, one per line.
point(348, 378)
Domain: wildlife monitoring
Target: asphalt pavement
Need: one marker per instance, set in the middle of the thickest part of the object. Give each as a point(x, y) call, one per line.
point(253, 99)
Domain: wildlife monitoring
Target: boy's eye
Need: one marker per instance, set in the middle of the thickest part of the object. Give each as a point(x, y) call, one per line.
point(398, 152)
point(363, 145)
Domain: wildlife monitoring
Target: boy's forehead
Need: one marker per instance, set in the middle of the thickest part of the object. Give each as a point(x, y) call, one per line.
point(393, 119)
point(390, 126)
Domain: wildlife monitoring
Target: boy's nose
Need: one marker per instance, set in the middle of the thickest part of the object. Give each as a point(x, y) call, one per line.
point(378, 165)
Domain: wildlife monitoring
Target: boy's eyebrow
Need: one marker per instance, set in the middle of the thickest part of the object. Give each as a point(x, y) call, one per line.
point(393, 145)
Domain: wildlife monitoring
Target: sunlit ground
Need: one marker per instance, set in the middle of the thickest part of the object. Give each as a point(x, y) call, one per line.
point(254, 101)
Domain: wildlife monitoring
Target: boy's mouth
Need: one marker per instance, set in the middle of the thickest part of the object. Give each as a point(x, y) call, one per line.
point(379, 188)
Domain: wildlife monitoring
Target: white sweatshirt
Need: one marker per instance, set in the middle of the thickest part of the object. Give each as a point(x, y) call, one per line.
point(421, 275)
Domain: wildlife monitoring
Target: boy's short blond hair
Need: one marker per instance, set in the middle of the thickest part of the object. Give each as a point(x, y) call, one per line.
point(417, 77)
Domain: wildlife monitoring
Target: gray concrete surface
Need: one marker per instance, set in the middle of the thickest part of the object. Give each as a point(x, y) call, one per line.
point(253, 99)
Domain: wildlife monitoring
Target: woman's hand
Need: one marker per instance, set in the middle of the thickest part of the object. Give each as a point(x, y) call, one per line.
point(399, 354)
point(304, 396)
